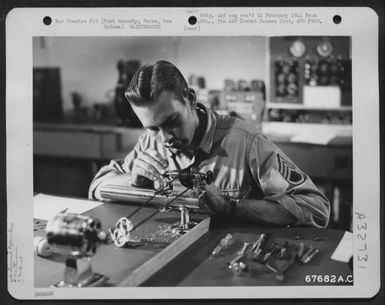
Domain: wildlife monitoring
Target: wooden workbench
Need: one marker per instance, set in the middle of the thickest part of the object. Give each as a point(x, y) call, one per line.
point(200, 268)
point(194, 266)
point(119, 264)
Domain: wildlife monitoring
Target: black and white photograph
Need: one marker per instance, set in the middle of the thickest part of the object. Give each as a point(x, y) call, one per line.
point(176, 163)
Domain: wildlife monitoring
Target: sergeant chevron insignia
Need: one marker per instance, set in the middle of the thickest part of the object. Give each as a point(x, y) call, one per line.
point(289, 171)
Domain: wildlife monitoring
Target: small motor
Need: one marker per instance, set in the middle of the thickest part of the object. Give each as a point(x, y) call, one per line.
point(76, 237)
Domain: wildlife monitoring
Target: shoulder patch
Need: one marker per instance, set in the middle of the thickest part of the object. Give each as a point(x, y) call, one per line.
point(289, 171)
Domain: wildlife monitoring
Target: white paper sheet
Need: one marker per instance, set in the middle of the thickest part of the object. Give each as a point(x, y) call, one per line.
point(322, 96)
point(344, 250)
point(318, 137)
point(47, 206)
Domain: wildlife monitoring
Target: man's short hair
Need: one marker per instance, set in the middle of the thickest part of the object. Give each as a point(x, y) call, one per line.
point(150, 80)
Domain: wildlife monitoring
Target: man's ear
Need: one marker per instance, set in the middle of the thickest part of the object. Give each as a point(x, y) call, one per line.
point(192, 98)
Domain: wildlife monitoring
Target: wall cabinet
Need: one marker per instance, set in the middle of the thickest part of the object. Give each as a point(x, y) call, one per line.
point(66, 157)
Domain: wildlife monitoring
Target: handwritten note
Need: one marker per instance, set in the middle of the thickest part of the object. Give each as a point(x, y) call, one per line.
point(15, 260)
point(46, 206)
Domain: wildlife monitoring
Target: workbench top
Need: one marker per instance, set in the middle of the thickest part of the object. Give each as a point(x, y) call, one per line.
point(195, 266)
point(201, 268)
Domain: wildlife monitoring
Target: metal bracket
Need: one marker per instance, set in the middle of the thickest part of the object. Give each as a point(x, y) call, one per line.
point(78, 273)
point(185, 224)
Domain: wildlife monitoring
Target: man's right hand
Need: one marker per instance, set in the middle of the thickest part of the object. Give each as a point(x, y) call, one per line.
point(149, 166)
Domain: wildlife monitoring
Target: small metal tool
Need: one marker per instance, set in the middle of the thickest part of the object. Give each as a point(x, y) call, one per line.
point(244, 248)
point(259, 242)
point(270, 252)
point(238, 267)
point(223, 243)
point(307, 253)
point(241, 254)
point(283, 252)
point(309, 257)
point(301, 250)
point(257, 253)
point(259, 245)
point(256, 243)
point(235, 260)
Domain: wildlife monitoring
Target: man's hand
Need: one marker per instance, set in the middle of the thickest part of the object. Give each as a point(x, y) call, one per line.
point(215, 200)
point(261, 211)
point(149, 166)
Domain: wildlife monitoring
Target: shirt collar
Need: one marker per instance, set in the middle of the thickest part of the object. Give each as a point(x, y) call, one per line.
point(208, 137)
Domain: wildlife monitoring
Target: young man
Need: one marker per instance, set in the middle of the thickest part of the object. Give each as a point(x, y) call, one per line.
point(253, 179)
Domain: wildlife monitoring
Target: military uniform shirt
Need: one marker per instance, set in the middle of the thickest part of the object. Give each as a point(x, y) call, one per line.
point(245, 164)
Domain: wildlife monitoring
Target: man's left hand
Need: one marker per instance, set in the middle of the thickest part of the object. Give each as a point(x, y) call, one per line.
point(215, 200)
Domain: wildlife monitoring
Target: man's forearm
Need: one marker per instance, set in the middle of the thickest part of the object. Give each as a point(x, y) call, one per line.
point(263, 211)
point(110, 178)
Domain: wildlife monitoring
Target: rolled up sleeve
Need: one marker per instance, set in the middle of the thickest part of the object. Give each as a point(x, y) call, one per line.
point(115, 167)
point(282, 182)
